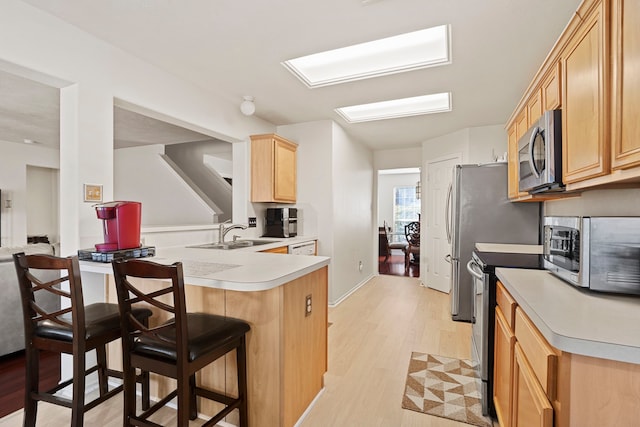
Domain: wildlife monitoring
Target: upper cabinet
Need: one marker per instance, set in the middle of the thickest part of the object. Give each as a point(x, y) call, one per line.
point(273, 169)
point(585, 150)
point(625, 100)
point(593, 75)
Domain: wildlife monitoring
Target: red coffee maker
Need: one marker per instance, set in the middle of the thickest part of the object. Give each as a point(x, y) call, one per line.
point(121, 225)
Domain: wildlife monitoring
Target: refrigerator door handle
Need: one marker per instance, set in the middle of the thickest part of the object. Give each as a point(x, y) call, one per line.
point(447, 213)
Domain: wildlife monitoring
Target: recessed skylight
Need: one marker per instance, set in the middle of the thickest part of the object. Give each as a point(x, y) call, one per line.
point(417, 105)
point(405, 52)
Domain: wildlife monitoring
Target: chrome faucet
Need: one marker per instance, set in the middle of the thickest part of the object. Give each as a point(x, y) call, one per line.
point(224, 230)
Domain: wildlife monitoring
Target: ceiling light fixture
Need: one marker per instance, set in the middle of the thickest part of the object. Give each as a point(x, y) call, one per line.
point(404, 52)
point(248, 107)
point(414, 106)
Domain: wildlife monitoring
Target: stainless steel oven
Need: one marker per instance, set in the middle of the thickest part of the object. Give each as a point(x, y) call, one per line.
point(482, 268)
point(539, 155)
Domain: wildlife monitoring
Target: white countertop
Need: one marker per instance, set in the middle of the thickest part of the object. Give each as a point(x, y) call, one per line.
point(509, 248)
point(576, 320)
point(242, 269)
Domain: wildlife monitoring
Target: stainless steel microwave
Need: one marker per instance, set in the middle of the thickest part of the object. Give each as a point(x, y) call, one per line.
point(539, 155)
point(598, 253)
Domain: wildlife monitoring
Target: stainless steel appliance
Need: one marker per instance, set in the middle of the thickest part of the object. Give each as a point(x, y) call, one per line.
point(281, 222)
point(598, 253)
point(479, 210)
point(539, 155)
point(482, 268)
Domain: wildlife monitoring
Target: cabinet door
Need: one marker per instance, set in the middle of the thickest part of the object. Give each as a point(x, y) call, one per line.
point(531, 408)
point(551, 89)
point(284, 171)
point(522, 123)
point(278, 250)
point(534, 107)
point(626, 84)
point(512, 152)
point(503, 367)
point(585, 148)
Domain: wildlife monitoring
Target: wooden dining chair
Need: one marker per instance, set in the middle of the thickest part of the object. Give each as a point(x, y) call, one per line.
point(412, 233)
point(176, 348)
point(73, 329)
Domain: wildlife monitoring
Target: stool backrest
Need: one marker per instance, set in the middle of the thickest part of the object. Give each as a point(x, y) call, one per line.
point(42, 274)
point(166, 302)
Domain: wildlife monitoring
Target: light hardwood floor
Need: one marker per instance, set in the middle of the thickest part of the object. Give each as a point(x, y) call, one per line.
point(371, 337)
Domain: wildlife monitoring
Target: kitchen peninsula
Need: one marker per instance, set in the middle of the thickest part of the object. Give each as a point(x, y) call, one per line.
point(287, 344)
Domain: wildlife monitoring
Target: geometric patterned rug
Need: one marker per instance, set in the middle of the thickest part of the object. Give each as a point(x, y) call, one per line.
point(444, 387)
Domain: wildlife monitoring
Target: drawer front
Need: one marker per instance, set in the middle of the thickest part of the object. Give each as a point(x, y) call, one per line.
point(539, 353)
point(506, 304)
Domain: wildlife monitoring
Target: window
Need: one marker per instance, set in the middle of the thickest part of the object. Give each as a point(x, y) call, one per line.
point(406, 209)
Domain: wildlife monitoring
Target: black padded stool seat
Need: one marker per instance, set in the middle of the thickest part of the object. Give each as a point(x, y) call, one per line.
point(99, 319)
point(73, 329)
point(177, 348)
point(206, 333)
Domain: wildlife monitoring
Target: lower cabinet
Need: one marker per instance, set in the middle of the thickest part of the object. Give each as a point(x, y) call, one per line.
point(531, 407)
point(525, 368)
point(505, 341)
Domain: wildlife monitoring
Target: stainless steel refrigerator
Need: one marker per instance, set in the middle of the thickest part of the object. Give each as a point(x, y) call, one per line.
point(478, 210)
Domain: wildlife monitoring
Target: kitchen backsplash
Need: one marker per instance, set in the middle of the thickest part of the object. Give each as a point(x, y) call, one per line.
point(625, 202)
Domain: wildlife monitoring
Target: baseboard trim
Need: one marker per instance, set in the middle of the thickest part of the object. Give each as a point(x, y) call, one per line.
point(355, 288)
point(311, 405)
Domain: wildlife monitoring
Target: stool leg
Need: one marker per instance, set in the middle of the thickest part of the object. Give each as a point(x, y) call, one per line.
point(146, 399)
point(129, 380)
point(103, 379)
point(193, 402)
point(241, 358)
point(79, 372)
point(32, 378)
point(184, 399)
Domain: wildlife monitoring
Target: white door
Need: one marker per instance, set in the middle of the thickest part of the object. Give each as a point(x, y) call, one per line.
point(439, 175)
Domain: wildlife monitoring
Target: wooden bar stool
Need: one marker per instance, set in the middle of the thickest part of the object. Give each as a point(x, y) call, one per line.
point(73, 329)
point(175, 348)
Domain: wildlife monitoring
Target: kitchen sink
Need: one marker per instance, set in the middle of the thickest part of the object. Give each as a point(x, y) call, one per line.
point(237, 244)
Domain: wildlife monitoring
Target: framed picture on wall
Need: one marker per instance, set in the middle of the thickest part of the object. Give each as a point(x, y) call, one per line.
point(92, 193)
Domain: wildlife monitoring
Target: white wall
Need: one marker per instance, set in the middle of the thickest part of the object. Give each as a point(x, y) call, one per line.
point(353, 218)
point(621, 202)
point(95, 74)
point(335, 195)
point(140, 174)
point(397, 158)
point(13, 181)
point(42, 202)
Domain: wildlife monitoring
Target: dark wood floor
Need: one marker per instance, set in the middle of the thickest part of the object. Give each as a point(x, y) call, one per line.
point(394, 266)
point(12, 369)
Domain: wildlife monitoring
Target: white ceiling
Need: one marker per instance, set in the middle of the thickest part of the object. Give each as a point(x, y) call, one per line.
point(234, 48)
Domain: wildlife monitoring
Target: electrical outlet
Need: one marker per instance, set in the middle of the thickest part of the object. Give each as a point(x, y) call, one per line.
point(252, 221)
point(307, 306)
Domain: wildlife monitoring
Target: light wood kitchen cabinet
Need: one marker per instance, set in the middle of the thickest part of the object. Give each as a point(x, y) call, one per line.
point(505, 341)
point(512, 154)
point(273, 169)
point(551, 88)
point(278, 250)
point(534, 108)
point(625, 101)
point(525, 372)
point(531, 408)
point(585, 148)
